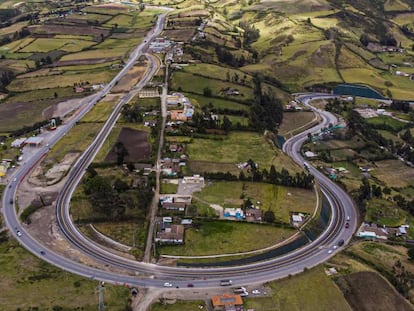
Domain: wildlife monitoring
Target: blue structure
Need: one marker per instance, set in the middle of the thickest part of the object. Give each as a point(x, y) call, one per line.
point(357, 90)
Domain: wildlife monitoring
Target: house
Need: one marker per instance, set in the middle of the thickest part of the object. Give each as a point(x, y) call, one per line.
point(373, 231)
point(365, 168)
point(227, 302)
point(233, 212)
point(178, 115)
point(310, 154)
point(195, 179)
point(187, 222)
point(174, 206)
point(254, 214)
point(297, 219)
point(169, 233)
point(18, 143)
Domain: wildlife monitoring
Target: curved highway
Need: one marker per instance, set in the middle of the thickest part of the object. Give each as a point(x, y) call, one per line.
point(150, 275)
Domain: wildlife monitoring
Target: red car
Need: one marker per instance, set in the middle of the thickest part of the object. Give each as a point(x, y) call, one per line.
point(190, 285)
point(347, 225)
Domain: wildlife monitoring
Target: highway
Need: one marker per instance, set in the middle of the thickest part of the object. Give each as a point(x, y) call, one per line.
point(151, 275)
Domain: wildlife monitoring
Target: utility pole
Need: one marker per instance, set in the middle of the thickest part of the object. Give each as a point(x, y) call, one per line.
point(101, 304)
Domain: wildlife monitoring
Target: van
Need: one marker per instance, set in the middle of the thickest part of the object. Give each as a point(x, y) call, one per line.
point(225, 282)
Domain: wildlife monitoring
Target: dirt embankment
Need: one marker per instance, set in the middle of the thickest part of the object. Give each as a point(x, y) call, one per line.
point(368, 291)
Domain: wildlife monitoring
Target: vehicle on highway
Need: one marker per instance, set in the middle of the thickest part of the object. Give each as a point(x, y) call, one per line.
point(226, 282)
point(167, 284)
point(330, 251)
point(256, 292)
point(19, 233)
point(190, 285)
point(341, 242)
point(347, 225)
point(11, 201)
point(244, 294)
point(335, 246)
point(42, 253)
point(348, 218)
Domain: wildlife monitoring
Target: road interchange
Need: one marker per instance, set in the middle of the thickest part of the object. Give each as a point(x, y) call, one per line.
point(151, 275)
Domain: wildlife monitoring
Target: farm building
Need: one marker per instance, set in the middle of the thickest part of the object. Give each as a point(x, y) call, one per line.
point(18, 143)
point(34, 141)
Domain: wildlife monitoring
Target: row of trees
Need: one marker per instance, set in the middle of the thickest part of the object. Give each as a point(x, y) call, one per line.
point(283, 177)
point(110, 199)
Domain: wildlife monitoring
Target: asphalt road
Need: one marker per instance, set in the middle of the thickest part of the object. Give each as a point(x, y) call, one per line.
point(150, 275)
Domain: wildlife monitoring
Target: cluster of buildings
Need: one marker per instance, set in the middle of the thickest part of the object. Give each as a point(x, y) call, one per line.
point(186, 110)
point(367, 113)
point(170, 230)
point(374, 231)
point(249, 214)
point(378, 48)
point(160, 45)
point(34, 141)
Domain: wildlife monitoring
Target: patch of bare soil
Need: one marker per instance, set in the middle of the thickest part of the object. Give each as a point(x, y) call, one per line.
point(63, 108)
point(54, 174)
point(130, 79)
point(86, 61)
point(136, 142)
point(368, 291)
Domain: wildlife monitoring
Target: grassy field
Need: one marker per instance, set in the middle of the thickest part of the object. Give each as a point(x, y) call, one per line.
point(75, 141)
point(180, 305)
point(218, 103)
point(383, 212)
point(281, 200)
point(388, 121)
point(100, 112)
point(309, 291)
point(49, 44)
point(295, 120)
point(188, 82)
point(218, 237)
point(238, 147)
point(94, 54)
point(45, 287)
point(127, 233)
point(386, 169)
point(64, 80)
point(167, 188)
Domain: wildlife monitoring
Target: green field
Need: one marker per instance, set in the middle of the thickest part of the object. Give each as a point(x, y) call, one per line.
point(281, 200)
point(386, 172)
point(383, 212)
point(195, 84)
point(309, 291)
point(64, 80)
point(49, 44)
point(218, 237)
point(127, 233)
point(218, 103)
point(238, 147)
point(100, 112)
point(46, 287)
point(294, 122)
point(94, 54)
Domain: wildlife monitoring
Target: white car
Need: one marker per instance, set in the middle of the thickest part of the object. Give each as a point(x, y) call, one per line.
point(19, 233)
point(335, 246)
point(166, 284)
point(256, 292)
point(330, 251)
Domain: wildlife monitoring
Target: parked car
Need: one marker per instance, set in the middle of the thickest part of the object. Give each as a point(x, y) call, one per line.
point(256, 292)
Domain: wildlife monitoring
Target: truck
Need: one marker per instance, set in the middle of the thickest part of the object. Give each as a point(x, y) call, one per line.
point(226, 282)
point(239, 290)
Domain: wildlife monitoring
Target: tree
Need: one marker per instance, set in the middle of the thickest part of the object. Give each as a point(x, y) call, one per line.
point(121, 152)
point(207, 92)
point(411, 254)
point(269, 216)
point(226, 126)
